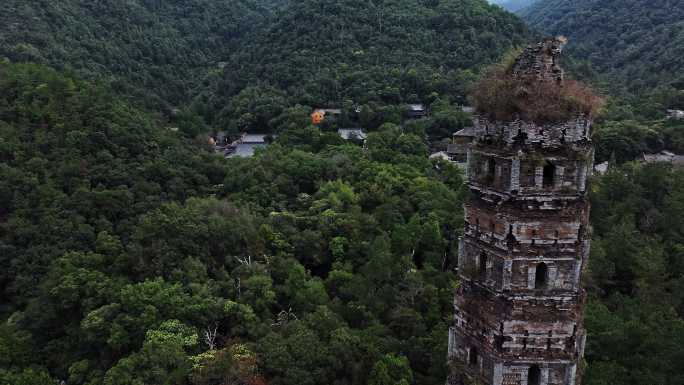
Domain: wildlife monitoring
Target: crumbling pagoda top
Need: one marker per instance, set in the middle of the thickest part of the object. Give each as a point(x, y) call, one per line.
point(541, 61)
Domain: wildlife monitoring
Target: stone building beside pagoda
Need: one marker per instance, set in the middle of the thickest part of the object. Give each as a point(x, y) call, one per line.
point(520, 304)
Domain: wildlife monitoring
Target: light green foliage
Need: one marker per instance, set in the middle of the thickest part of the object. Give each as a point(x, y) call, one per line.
point(26, 377)
point(235, 364)
point(162, 359)
point(391, 370)
point(172, 331)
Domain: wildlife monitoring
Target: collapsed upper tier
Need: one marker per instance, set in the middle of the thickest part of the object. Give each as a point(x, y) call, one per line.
point(532, 88)
point(541, 61)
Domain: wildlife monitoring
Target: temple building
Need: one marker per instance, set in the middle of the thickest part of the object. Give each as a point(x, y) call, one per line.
point(519, 307)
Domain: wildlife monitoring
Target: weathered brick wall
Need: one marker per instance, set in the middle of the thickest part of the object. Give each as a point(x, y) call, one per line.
point(479, 320)
point(520, 303)
point(540, 61)
point(502, 173)
point(519, 132)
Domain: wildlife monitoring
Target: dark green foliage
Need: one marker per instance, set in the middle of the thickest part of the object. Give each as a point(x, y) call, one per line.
point(156, 51)
point(623, 134)
point(243, 62)
point(391, 370)
point(367, 53)
point(123, 244)
point(634, 317)
point(633, 51)
point(76, 163)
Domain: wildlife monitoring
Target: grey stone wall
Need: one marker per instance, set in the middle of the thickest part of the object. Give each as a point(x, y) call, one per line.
point(520, 302)
point(524, 174)
point(521, 132)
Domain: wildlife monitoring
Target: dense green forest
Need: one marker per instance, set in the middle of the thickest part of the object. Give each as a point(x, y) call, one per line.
point(243, 62)
point(130, 253)
point(374, 55)
point(636, 275)
point(123, 244)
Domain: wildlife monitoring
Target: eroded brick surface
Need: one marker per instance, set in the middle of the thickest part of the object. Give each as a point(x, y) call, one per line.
point(518, 313)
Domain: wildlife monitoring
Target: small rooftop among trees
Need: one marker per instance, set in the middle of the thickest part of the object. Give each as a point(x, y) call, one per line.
point(532, 87)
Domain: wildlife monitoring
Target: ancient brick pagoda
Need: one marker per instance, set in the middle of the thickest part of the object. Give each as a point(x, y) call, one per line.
point(519, 309)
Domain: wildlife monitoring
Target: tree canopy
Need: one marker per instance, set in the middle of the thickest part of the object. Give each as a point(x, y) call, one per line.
point(135, 255)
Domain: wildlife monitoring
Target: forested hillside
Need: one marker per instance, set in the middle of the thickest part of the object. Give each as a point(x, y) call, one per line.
point(155, 51)
point(131, 254)
point(374, 54)
point(639, 44)
point(244, 61)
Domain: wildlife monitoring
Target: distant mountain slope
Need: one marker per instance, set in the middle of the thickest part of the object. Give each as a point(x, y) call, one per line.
point(271, 53)
point(325, 51)
point(154, 49)
point(514, 5)
point(640, 43)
